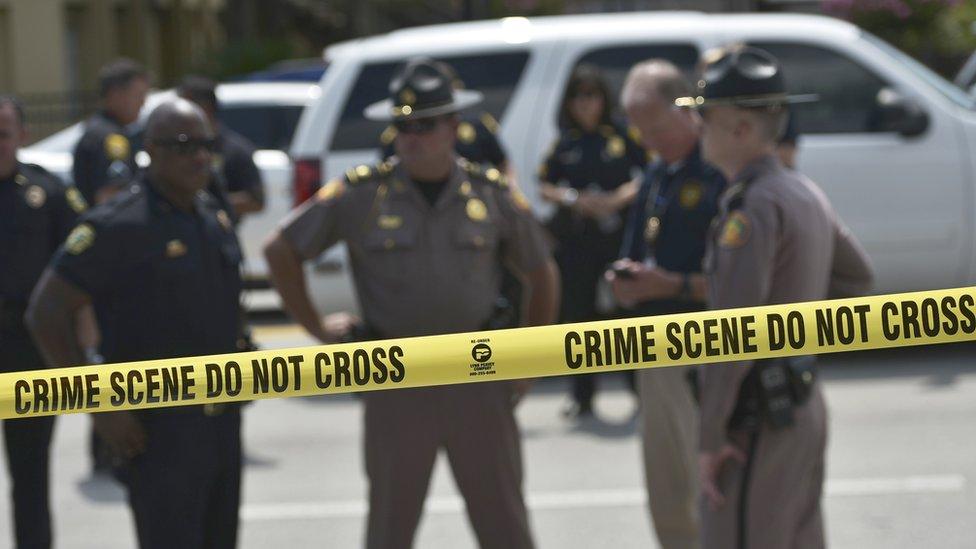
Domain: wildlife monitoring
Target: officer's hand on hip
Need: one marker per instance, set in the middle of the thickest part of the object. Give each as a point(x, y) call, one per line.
point(338, 327)
point(123, 433)
point(710, 467)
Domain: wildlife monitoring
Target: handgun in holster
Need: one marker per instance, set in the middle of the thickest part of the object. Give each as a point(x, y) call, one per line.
point(771, 391)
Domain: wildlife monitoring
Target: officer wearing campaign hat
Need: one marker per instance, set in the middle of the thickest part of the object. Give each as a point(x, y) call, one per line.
point(776, 240)
point(427, 233)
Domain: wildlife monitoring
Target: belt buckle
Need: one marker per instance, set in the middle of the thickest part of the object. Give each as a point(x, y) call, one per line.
point(211, 410)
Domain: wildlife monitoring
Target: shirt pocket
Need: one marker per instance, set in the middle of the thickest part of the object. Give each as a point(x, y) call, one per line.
point(392, 256)
point(476, 246)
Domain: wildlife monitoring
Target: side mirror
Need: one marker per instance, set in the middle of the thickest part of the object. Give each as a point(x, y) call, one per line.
point(901, 114)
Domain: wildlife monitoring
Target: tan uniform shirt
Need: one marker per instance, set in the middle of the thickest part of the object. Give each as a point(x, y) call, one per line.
point(785, 244)
point(421, 269)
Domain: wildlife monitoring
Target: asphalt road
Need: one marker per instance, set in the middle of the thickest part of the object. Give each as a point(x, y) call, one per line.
point(901, 469)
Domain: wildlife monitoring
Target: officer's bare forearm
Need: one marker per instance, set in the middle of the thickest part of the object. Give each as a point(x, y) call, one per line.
point(542, 286)
point(288, 277)
point(51, 318)
point(244, 202)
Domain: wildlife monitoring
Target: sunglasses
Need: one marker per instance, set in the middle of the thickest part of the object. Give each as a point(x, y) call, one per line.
point(418, 126)
point(186, 145)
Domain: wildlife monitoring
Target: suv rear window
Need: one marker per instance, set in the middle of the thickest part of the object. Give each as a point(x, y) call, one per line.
point(269, 127)
point(615, 62)
point(494, 75)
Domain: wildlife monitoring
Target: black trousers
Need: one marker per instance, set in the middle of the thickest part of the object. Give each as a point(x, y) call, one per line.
point(28, 443)
point(185, 490)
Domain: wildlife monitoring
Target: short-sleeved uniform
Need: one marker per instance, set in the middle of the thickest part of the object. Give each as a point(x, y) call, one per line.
point(423, 269)
point(165, 283)
point(668, 224)
point(777, 240)
point(477, 141)
point(36, 212)
point(103, 157)
point(235, 169)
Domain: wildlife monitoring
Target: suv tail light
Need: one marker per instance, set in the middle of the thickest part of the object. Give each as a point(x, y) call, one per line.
point(308, 179)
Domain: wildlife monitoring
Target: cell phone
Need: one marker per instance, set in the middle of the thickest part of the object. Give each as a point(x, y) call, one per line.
point(623, 272)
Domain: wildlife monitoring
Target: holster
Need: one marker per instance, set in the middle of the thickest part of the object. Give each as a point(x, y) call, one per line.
point(770, 392)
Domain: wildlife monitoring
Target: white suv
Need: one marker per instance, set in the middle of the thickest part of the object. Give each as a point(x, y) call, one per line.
point(892, 143)
point(265, 113)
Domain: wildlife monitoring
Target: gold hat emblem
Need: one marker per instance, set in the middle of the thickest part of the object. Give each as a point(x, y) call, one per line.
point(407, 97)
point(175, 248)
point(476, 210)
point(35, 196)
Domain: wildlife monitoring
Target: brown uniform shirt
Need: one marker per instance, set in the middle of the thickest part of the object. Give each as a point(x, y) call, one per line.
point(421, 269)
point(785, 244)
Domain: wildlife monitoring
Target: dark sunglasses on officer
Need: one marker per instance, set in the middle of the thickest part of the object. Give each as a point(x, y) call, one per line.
point(185, 145)
point(418, 126)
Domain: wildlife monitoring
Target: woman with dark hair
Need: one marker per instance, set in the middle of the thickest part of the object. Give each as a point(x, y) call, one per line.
point(587, 175)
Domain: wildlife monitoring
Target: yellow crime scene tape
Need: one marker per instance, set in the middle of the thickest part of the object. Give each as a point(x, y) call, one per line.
point(876, 322)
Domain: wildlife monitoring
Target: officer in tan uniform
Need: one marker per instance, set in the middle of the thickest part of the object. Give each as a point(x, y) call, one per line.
point(427, 233)
point(776, 240)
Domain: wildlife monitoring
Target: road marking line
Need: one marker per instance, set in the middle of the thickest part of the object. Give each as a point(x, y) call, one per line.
point(582, 499)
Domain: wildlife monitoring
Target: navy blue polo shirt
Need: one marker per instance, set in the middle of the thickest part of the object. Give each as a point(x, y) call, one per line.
point(165, 282)
point(686, 200)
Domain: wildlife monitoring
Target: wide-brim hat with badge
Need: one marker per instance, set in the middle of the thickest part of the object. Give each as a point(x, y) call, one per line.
point(420, 89)
point(742, 76)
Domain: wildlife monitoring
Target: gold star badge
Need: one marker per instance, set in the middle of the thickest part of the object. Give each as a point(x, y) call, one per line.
point(476, 210)
point(175, 248)
point(735, 232)
point(35, 196)
point(80, 239)
point(616, 147)
point(117, 147)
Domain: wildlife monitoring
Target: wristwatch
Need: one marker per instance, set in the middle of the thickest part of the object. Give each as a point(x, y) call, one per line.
point(569, 198)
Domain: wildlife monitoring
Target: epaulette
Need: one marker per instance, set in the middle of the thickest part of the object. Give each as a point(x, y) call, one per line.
point(489, 121)
point(359, 174)
point(490, 174)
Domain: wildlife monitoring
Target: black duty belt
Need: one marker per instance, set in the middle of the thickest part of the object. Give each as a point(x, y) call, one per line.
point(770, 392)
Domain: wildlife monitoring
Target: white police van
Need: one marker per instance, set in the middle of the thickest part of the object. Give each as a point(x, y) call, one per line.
point(892, 143)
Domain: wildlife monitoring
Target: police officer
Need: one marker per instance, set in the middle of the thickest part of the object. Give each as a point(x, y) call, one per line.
point(777, 240)
point(660, 273)
point(104, 159)
point(587, 175)
point(36, 213)
point(160, 265)
point(426, 234)
point(239, 184)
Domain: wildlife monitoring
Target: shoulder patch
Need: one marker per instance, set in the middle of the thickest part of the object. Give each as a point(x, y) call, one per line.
point(331, 190)
point(116, 146)
point(80, 239)
point(75, 201)
point(489, 121)
point(736, 231)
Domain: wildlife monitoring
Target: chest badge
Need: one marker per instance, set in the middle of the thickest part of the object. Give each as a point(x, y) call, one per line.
point(735, 231)
point(690, 194)
point(80, 239)
point(175, 248)
point(616, 147)
point(35, 196)
point(389, 222)
point(117, 147)
point(652, 229)
point(224, 220)
point(466, 133)
point(476, 210)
